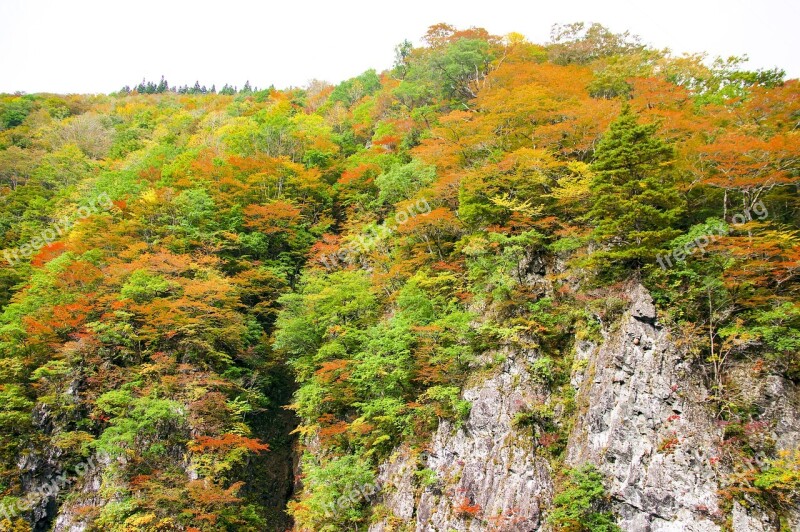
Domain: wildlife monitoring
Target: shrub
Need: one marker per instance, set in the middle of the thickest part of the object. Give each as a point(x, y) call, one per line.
point(581, 504)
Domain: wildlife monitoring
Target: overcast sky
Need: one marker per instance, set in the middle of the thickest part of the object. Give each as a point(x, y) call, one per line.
point(98, 46)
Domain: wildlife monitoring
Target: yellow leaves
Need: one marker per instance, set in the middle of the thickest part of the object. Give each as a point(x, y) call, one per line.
point(573, 188)
point(149, 196)
point(138, 521)
point(514, 38)
point(516, 205)
point(314, 133)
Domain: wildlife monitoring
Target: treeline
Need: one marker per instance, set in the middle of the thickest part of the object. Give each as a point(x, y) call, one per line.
point(150, 87)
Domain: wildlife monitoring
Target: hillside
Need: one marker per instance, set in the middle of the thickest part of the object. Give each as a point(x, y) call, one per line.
point(501, 286)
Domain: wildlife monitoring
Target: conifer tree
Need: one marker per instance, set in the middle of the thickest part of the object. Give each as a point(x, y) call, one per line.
point(634, 200)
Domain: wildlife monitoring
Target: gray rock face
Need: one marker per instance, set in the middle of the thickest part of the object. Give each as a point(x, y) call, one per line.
point(644, 425)
point(642, 419)
point(485, 464)
point(87, 492)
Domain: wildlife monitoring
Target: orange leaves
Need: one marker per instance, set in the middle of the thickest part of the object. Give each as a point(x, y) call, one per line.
point(432, 232)
point(80, 276)
point(253, 164)
point(363, 172)
point(325, 251)
point(334, 370)
point(47, 253)
point(766, 259)
point(465, 508)
point(206, 166)
point(336, 429)
point(752, 165)
point(58, 320)
point(275, 217)
point(775, 109)
point(227, 442)
point(670, 104)
point(548, 104)
point(522, 104)
point(69, 316)
point(206, 494)
point(449, 144)
point(151, 174)
point(440, 219)
point(389, 142)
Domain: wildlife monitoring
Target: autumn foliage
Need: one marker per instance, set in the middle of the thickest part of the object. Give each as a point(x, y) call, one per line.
point(266, 282)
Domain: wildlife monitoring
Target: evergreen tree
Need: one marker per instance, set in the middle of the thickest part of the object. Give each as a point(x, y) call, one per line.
point(163, 86)
point(634, 199)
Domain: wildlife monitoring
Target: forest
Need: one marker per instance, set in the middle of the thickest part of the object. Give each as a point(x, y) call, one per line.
point(225, 310)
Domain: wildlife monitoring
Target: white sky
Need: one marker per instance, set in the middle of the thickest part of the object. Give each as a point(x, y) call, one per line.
point(98, 46)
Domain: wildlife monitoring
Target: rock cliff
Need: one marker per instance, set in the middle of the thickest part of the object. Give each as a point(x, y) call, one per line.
point(642, 417)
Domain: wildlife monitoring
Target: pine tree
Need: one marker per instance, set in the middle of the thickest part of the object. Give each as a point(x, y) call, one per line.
point(634, 200)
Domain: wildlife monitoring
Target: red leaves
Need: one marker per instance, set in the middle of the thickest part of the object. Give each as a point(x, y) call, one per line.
point(48, 253)
point(465, 508)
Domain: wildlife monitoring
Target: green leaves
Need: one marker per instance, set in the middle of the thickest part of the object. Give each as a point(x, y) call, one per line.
point(142, 286)
point(635, 203)
point(336, 493)
point(453, 70)
point(401, 182)
point(350, 91)
point(581, 503)
point(142, 426)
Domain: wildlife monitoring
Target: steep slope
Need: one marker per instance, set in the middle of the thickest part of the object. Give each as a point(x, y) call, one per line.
point(485, 472)
point(420, 277)
point(644, 422)
point(643, 418)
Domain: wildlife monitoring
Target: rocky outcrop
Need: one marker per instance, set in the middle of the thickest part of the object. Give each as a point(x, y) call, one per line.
point(484, 474)
point(642, 421)
point(86, 492)
point(642, 418)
